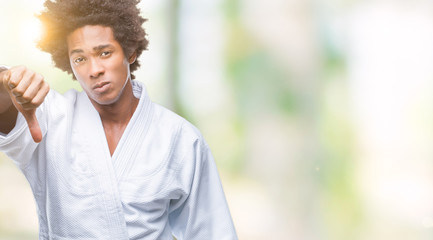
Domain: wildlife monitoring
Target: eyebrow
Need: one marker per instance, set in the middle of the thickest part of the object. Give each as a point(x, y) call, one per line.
point(97, 48)
point(100, 47)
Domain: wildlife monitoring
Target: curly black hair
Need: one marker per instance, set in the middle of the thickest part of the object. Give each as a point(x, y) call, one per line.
point(62, 17)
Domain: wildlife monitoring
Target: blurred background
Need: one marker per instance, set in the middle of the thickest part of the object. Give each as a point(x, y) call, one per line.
point(319, 112)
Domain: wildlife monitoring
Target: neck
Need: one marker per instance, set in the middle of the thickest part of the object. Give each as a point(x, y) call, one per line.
point(121, 111)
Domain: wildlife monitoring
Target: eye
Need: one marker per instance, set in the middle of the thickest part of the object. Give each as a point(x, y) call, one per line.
point(78, 60)
point(105, 53)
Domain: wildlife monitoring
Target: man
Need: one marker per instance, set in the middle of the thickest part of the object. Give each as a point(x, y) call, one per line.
point(107, 163)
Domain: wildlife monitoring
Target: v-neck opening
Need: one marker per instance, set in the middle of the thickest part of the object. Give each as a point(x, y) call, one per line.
point(125, 133)
point(122, 158)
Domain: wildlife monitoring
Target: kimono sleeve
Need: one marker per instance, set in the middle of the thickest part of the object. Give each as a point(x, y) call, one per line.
point(204, 214)
point(18, 144)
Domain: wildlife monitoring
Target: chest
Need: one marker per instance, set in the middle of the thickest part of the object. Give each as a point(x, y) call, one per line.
point(113, 134)
point(87, 187)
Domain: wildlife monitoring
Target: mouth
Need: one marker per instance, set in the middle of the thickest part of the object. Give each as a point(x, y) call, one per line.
point(101, 87)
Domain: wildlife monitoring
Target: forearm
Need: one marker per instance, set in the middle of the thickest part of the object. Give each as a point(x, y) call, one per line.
point(8, 119)
point(5, 100)
point(8, 112)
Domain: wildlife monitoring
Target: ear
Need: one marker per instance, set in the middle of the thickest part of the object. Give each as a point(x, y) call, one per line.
point(132, 58)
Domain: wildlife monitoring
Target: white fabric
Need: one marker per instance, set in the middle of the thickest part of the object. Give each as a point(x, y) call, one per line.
point(161, 180)
point(3, 68)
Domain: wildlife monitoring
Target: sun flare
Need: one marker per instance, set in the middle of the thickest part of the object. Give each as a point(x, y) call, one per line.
point(31, 31)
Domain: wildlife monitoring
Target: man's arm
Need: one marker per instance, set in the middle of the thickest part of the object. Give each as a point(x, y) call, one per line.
point(21, 90)
point(203, 213)
point(8, 113)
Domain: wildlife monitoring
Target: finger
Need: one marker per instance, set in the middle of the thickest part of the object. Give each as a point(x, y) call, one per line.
point(32, 90)
point(21, 85)
point(38, 99)
point(33, 124)
point(15, 76)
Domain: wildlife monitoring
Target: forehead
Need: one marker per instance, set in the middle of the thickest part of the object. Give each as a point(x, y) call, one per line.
point(90, 36)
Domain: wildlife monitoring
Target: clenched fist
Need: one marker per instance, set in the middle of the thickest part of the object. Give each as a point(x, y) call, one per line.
point(27, 91)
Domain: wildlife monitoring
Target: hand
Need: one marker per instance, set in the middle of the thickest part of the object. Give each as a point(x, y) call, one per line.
point(27, 91)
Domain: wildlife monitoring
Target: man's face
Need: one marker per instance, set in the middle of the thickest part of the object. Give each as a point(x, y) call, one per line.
point(98, 63)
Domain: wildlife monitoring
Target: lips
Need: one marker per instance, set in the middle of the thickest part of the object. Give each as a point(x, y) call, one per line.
point(100, 85)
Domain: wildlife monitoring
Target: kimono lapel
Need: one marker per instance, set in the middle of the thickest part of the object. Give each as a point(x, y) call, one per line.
point(100, 160)
point(126, 151)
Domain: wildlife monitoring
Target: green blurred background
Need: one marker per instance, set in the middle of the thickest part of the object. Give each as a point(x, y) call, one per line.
point(319, 112)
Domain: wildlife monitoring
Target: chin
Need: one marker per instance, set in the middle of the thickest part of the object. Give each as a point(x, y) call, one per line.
point(105, 100)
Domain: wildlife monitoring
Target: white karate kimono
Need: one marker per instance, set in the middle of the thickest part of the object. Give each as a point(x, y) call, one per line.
point(161, 180)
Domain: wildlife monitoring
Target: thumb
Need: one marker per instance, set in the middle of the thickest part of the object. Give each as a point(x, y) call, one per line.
point(32, 122)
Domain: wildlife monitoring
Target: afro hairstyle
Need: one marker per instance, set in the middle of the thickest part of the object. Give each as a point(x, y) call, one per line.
point(62, 17)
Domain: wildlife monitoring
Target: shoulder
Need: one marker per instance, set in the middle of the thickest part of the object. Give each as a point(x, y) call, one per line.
point(186, 147)
point(171, 121)
point(184, 142)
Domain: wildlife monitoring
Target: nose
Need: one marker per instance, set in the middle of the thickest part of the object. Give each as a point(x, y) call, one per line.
point(96, 69)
